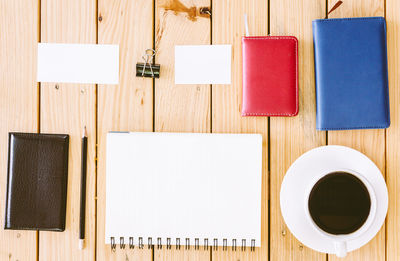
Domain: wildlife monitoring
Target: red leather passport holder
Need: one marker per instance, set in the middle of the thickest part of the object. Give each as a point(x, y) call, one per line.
point(270, 76)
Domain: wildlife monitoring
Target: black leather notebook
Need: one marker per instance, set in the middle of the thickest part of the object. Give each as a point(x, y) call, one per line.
point(37, 181)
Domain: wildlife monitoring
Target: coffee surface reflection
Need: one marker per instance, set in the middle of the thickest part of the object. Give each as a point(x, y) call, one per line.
point(339, 203)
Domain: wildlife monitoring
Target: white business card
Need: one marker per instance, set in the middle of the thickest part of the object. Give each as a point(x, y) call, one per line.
point(203, 64)
point(78, 63)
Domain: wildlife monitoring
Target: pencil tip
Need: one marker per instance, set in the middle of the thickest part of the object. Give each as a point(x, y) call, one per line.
point(81, 243)
point(84, 132)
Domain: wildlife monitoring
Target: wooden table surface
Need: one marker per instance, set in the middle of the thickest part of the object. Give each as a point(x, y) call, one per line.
point(141, 104)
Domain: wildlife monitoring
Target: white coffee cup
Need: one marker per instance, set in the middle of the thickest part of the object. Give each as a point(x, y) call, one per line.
point(340, 241)
point(299, 181)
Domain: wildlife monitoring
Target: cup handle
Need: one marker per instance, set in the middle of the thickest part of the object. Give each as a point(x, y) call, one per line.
point(340, 248)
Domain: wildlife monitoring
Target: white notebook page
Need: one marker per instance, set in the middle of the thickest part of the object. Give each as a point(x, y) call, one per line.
point(184, 185)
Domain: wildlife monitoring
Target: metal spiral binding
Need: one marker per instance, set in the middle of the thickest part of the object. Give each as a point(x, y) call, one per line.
point(159, 243)
point(215, 244)
point(150, 245)
point(243, 244)
point(253, 245)
point(233, 244)
point(141, 243)
point(122, 243)
point(113, 245)
point(187, 243)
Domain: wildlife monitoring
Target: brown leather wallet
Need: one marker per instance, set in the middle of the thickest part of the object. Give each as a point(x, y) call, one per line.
point(37, 181)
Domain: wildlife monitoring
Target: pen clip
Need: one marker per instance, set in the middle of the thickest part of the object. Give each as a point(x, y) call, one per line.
point(246, 25)
point(338, 3)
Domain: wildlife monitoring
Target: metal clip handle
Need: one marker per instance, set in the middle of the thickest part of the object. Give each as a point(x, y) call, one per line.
point(148, 59)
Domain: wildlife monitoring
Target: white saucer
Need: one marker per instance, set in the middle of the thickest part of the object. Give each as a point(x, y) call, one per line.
point(301, 176)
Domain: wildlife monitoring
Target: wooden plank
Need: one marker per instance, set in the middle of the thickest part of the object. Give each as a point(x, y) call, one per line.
point(124, 107)
point(369, 142)
point(393, 133)
point(180, 108)
point(291, 137)
point(19, 104)
point(67, 110)
point(228, 28)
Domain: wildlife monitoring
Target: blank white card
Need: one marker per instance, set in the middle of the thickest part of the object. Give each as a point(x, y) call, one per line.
point(203, 64)
point(184, 185)
point(78, 63)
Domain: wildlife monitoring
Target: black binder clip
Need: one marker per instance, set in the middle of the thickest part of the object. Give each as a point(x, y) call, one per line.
point(148, 69)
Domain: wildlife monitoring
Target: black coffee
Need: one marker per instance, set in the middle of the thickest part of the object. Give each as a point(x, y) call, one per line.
point(339, 203)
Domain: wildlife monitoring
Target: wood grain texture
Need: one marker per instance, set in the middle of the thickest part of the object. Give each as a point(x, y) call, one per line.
point(369, 142)
point(136, 26)
point(127, 106)
point(293, 136)
point(393, 133)
point(19, 105)
point(228, 28)
point(67, 110)
point(180, 108)
point(357, 8)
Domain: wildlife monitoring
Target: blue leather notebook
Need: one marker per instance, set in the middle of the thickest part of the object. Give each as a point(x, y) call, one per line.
point(351, 74)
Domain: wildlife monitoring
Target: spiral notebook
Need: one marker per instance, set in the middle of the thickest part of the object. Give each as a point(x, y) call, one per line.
point(183, 189)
